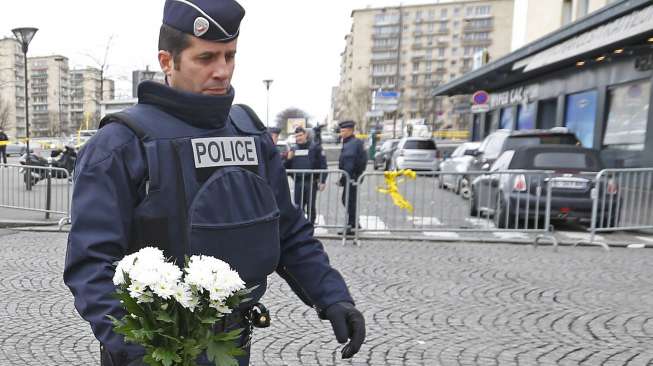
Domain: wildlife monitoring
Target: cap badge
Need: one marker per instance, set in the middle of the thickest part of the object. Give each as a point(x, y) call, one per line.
point(200, 27)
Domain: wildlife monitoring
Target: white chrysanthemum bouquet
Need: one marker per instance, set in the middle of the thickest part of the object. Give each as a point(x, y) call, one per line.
point(171, 312)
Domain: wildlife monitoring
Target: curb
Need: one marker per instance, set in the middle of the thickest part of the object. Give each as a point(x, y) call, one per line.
point(4, 224)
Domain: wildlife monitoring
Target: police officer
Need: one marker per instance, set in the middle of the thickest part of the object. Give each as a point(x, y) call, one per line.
point(353, 160)
point(274, 133)
point(3, 146)
point(185, 170)
point(306, 155)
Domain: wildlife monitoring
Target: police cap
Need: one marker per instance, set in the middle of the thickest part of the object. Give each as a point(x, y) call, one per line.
point(276, 130)
point(300, 130)
point(211, 20)
point(347, 124)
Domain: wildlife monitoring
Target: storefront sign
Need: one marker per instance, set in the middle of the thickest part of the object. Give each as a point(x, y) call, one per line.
point(633, 24)
point(514, 96)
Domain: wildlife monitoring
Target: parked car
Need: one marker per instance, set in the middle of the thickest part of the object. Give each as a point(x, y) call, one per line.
point(329, 138)
point(459, 162)
point(17, 148)
point(416, 153)
point(283, 148)
point(383, 155)
point(502, 140)
point(512, 197)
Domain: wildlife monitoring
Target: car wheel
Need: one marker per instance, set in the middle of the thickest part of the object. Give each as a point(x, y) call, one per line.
point(374, 166)
point(464, 188)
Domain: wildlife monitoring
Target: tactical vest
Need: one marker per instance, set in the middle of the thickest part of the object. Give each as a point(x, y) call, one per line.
point(227, 211)
point(302, 158)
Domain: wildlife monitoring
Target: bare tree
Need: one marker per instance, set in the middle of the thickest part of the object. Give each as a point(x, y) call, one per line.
point(292, 112)
point(102, 64)
point(4, 114)
point(355, 106)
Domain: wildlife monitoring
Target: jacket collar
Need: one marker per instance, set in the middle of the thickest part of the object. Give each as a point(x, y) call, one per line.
point(198, 110)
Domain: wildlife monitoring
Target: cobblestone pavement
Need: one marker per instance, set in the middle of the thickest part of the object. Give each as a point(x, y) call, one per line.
point(425, 304)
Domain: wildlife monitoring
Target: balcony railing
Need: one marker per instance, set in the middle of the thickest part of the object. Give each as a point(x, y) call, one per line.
point(482, 28)
point(476, 42)
point(385, 35)
point(385, 48)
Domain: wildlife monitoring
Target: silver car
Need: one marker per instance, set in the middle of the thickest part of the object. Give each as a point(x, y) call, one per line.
point(459, 162)
point(416, 153)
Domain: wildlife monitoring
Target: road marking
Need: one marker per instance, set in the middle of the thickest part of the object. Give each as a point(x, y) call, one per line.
point(508, 235)
point(442, 234)
point(580, 236)
point(636, 246)
point(425, 221)
point(373, 223)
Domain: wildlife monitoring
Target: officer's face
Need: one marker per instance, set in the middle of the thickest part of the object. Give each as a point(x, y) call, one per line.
point(300, 137)
point(346, 132)
point(204, 67)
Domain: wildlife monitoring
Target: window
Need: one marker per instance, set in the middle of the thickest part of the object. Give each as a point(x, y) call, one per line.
point(507, 120)
point(419, 145)
point(580, 116)
point(469, 11)
point(567, 160)
point(443, 13)
point(566, 12)
point(415, 65)
point(441, 52)
point(628, 107)
point(431, 14)
point(456, 12)
point(582, 9)
point(526, 116)
point(415, 79)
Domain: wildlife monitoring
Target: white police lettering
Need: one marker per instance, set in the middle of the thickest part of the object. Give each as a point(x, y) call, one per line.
point(224, 151)
point(302, 152)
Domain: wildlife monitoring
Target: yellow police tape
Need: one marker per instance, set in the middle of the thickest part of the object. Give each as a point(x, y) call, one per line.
point(392, 187)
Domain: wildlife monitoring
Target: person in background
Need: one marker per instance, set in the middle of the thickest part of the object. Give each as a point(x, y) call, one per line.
point(353, 160)
point(307, 155)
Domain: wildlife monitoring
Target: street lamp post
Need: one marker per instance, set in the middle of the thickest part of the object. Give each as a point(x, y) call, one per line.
point(24, 37)
point(267, 83)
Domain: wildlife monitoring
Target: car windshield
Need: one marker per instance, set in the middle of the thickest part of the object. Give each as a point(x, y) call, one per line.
point(419, 145)
point(566, 160)
point(514, 142)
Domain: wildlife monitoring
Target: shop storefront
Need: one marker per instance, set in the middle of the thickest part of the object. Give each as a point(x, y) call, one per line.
point(593, 77)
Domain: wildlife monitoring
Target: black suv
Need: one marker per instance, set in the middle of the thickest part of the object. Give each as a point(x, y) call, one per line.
point(503, 140)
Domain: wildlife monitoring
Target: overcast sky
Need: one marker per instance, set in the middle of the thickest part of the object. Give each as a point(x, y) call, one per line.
point(296, 43)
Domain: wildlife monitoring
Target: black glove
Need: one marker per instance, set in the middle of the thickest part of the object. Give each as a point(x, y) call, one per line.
point(347, 323)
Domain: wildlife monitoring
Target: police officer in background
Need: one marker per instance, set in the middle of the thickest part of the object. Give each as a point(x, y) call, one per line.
point(274, 133)
point(306, 155)
point(3, 146)
point(181, 161)
point(353, 160)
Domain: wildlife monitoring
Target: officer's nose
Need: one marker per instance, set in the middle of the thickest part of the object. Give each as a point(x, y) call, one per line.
point(220, 69)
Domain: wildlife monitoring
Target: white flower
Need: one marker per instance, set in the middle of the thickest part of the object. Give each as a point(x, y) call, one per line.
point(214, 276)
point(186, 297)
point(124, 266)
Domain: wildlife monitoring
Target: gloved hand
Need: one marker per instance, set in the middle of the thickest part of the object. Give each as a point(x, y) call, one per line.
point(347, 323)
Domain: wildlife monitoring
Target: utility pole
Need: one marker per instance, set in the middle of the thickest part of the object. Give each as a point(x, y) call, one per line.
point(398, 73)
point(267, 83)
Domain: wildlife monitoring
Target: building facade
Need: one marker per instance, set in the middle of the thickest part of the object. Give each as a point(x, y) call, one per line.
point(12, 88)
point(49, 93)
point(410, 50)
point(139, 76)
point(593, 77)
point(534, 19)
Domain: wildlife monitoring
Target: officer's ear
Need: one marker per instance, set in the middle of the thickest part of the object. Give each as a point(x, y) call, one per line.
point(167, 62)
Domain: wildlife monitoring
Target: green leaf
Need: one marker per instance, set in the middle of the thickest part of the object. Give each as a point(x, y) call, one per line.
point(129, 304)
point(227, 336)
point(221, 353)
point(164, 317)
point(165, 356)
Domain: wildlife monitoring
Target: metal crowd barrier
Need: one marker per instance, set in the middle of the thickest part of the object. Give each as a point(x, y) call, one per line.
point(48, 190)
point(622, 200)
point(326, 208)
point(500, 201)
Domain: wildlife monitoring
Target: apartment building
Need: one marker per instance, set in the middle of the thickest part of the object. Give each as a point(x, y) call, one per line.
point(12, 88)
point(534, 19)
point(410, 50)
point(139, 76)
point(49, 93)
